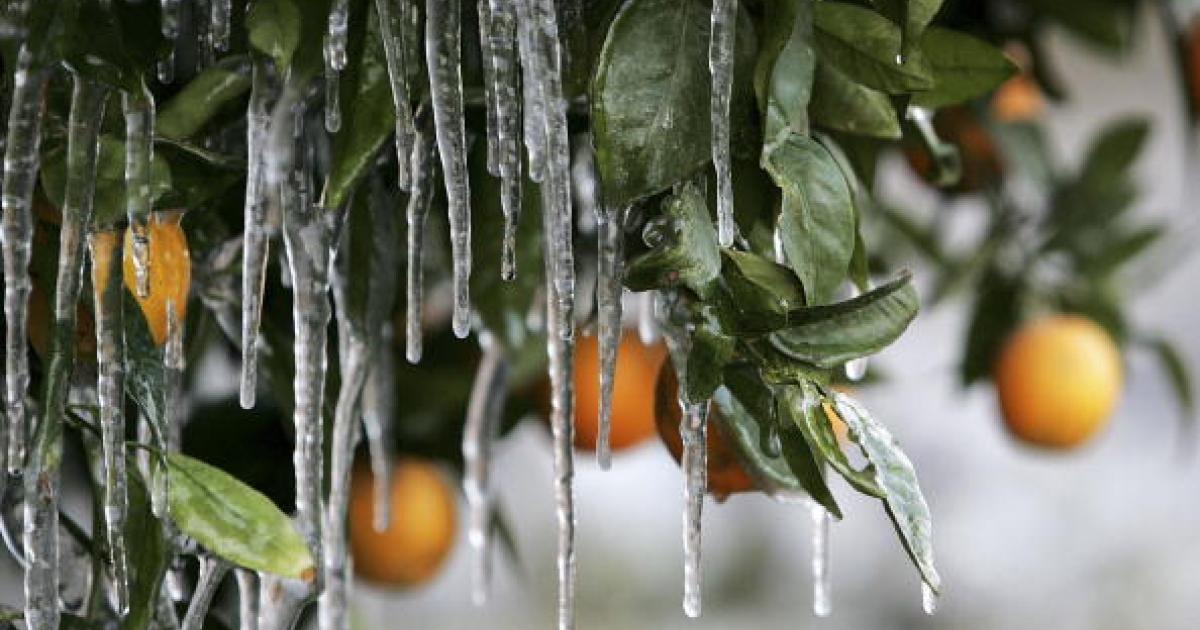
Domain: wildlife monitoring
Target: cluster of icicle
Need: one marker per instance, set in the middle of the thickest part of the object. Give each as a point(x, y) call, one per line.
point(525, 108)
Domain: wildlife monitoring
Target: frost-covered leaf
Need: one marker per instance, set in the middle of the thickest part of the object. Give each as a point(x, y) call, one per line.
point(898, 479)
point(710, 351)
point(865, 46)
point(963, 67)
point(817, 222)
point(109, 198)
point(830, 335)
point(648, 130)
point(801, 404)
point(200, 100)
point(234, 521)
point(761, 293)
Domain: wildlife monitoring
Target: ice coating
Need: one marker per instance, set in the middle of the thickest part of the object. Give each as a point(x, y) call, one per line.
point(484, 410)
point(212, 571)
point(822, 605)
point(392, 17)
point(609, 291)
point(722, 38)
point(139, 154)
point(423, 180)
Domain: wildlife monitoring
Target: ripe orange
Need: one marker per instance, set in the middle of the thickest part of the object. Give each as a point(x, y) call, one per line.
point(726, 475)
point(1058, 378)
point(421, 533)
point(1018, 99)
point(170, 272)
point(1193, 64)
point(633, 392)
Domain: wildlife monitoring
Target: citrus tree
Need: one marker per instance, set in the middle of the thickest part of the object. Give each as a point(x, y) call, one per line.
point(244, 179)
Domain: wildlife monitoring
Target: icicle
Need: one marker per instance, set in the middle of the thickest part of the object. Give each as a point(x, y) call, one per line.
point(333, 613)
point(107, 292)
point(720, 67)
point(693, 430)
point(929, 599)
point(423, 155)
point(173, 364)
point(335, 42)
point(139, 154)
point(533, 106)
point(170, 18)
point(391, 30)
point(506, 80)
point(164, 70)
point(280, 601)
point(820, 559)
point(212, 571)
point(20, 176)
point(333, 103)
point(484, 410)
point(541, 58)
point(378, 398)
point(560, 350)
point(220, 16)
point(443, 56)
point(608, 299)
point(255, 244)
point(483, 10)
point(856, 369)
point(247, 583)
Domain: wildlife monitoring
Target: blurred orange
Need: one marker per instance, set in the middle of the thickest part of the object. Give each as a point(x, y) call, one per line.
point(417, 541)
point(1058, 379)
point(633, 392)
point(726, 475)
point(1019, 99)
point(961, 127)
point(170, 272)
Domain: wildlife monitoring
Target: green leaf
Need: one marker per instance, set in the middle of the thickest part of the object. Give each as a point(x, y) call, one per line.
point(911, 15)
point(112, 44)
point(761, 292)
point(368, 116)
point(234, 521)
point(865, 46)
point(997, 311)
point(686, 252)
point(817, 222)
point(1105, 23)
point(273, 27)
point(1177, 372)
point(841, 104)
point(710, 351)
point(197, 176)
point(963, 67)
point(802, 405)
point(898, 480)
point(648, 129)
point(784, 69)
point(148, 553)
point(747, 409)
point(828, 336)
point(199, 101)
point(1114, 150)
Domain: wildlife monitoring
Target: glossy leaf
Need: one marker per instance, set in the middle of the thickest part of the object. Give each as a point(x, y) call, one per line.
point(841, 104)
point(686, 252)
point(784, 70)
point(865, 45)
point(898, 480)
point(963, 67)
point(830, 335)
point(817, 222)
point(911, 15)
point(648, 130)
point(234, 521)
point(199, 101)
point(761, 292)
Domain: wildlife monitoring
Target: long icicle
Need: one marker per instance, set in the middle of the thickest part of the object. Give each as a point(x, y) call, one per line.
point(378, 397)
point(391, 30)
point(212, 571)
point(560, 351)
point(220, 15)
point(484, 409)
point(506, 77)
point(333, 614)
point(821, 603)
point(20, 176)
point(443, 26)
point(542, 61)
point(107, 291)
point(423, 167)
point(533, 107)
point(41, 476)
point(720, 66)
point(483, 10)
point(255, 243)
point(610, 231)
point(139, 154)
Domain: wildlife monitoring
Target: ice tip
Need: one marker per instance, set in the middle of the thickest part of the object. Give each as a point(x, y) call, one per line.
point(929, 598)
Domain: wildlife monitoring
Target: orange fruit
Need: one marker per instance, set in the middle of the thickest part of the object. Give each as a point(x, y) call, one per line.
point(170, 272)
point(1018, 99)
point(1058, 379)
point(419, 538)
point(633, 392)
point(959, 126)
point(1193, 63)
point(726, 475)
